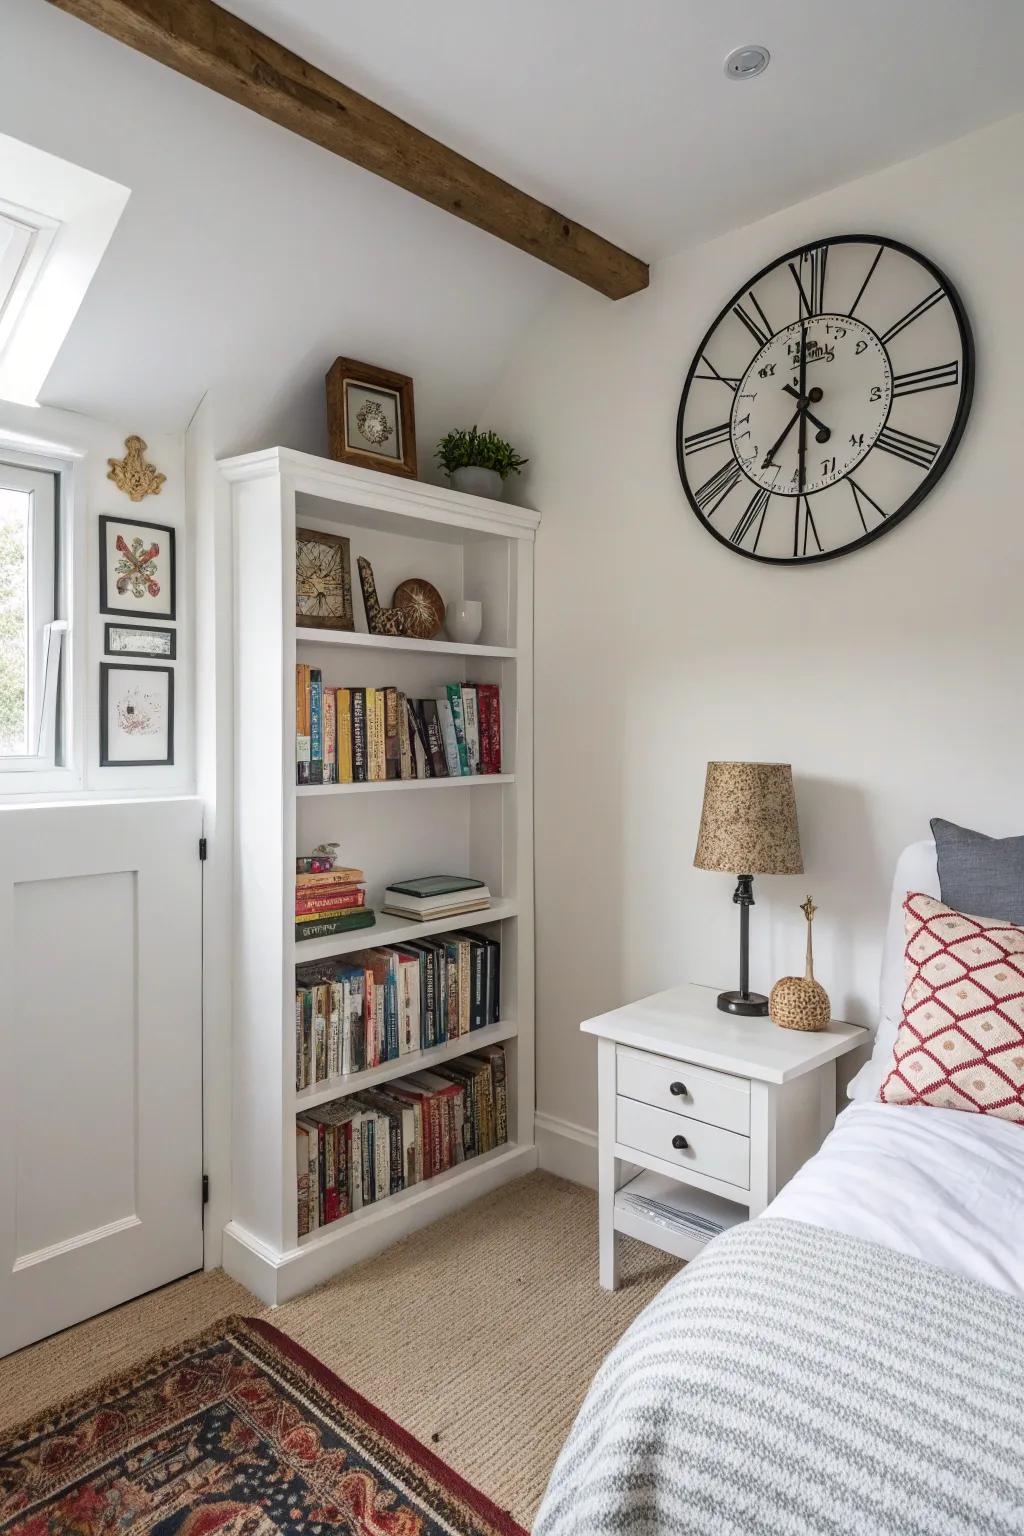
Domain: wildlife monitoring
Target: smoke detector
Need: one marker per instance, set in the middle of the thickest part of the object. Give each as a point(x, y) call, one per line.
point(745, 63)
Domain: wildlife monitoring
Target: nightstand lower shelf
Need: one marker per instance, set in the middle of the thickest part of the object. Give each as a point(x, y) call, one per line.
point(676, 1217)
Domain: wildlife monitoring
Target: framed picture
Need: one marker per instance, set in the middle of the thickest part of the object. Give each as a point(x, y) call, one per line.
point(140, 640)
point(370, 418)
point(136, 716)
point(323, 580)
point(136, 568)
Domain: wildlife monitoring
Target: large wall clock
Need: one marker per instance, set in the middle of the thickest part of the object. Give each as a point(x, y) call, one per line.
point(826, 400)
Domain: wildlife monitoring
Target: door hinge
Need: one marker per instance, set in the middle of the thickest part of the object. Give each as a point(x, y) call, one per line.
point(202, 847)
point(206, 1189)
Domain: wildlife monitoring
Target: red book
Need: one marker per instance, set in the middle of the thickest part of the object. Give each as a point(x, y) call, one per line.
point(489, 697)
point(329, 901)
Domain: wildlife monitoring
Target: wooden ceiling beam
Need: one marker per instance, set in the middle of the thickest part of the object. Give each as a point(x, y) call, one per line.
point(210, 45)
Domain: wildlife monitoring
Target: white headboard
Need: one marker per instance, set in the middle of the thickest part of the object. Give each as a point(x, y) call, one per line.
point(916, 870)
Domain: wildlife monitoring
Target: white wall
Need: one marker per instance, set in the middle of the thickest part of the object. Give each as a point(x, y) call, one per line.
point(891, 678)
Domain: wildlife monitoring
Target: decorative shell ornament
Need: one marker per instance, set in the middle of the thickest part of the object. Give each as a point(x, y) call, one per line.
point(800, 1002)
point(423, 607)
point(132, 474)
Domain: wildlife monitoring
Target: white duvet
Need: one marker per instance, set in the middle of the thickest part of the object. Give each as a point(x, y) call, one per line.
point(944, 1186)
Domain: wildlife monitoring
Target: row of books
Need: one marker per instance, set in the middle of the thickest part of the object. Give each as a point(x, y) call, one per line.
point(361, 1149)
point(369, 735)
point(378, 1005)
point(329, 901)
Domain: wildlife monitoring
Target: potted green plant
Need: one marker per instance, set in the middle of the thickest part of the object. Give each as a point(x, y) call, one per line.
point(477, 462)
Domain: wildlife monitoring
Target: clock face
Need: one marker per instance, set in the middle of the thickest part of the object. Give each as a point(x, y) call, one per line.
point(826, 400)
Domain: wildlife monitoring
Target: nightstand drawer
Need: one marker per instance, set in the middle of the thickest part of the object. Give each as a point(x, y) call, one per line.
point(705, 1148)
point(714, 1097)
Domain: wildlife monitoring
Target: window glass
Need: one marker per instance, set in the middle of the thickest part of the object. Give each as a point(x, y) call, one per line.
point(15, 515)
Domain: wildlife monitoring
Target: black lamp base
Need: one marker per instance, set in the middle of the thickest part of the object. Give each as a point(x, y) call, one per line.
point(749, 1004)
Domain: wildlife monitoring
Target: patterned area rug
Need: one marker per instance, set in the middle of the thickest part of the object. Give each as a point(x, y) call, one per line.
point(237, 1433)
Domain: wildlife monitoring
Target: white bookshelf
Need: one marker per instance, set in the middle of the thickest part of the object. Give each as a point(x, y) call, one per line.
point(465, 545)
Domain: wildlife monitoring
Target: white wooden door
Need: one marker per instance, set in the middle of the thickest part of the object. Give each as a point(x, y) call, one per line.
point(100, 1058)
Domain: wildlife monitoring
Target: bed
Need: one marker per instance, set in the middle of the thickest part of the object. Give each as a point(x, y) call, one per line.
point(850, 1362)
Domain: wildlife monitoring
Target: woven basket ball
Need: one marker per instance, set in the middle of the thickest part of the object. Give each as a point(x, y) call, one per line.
point(423, 607)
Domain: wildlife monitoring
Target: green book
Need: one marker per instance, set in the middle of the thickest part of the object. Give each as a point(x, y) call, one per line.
point(324, 927)
point(436, 885)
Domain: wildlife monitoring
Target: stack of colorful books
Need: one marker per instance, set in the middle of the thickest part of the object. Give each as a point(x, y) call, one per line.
point(432, 896)
point(328, 901)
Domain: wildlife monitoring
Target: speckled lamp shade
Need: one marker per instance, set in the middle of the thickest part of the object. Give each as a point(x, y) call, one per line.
point(748, 825)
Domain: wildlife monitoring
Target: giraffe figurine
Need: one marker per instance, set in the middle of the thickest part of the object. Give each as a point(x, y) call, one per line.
point(379, 621)
point(800, 1002)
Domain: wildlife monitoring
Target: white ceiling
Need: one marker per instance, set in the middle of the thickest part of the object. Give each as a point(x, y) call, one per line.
point(247, 259)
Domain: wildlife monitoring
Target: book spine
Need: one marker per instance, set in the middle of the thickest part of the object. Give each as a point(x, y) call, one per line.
point(494, 728)
point(500, 1090)
point(478, 965)
point(320, 1021)
point(359, 757)
point(435, 740)
point(334, 1031)
point(330, 713)
point(471, 727)
point(344, 729)
point(454, 692)
point(307, 1038)
point(448, 737)
point(355, 1162)
point(465, 986)
point(375, 738)
point(483, 711)
point(301, 724)
point(298, 1040)
point(324, 927)
point(405, 765)
point(329, 902)
point(330, 1173)
point(316, 728)
point(302, 1177)
point(392, 753)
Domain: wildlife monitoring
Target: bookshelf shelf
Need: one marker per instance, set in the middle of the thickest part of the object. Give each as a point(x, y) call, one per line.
point(395, 930)
point(464, 545)
point(414, 1061)
point(401, 646)
point(395, 786)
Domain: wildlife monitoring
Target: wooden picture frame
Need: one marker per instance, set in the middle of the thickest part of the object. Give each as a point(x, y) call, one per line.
point(109, 757)
point(168, 639)
point(323, 578)
point(143, 602)
point(370, 417)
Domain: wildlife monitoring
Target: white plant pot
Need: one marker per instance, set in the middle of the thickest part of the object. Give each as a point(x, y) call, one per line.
point(474, 481)
point(464, 620)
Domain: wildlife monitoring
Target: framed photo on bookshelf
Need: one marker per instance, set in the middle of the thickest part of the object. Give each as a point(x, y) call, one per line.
point(370, 419)
point(140, 640)
point(137, 568)
point(136, 716)
point(323, 580)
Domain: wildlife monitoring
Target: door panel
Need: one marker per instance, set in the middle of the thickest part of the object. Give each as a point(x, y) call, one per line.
point(100, 1058)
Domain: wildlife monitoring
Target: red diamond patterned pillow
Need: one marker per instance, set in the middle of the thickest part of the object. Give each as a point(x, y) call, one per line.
point(961, 1042)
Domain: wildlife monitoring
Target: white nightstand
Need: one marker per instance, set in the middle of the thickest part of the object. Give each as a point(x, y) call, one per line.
point(703, 1113)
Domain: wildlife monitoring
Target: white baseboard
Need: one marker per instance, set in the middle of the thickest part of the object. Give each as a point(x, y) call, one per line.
point(567, 1149)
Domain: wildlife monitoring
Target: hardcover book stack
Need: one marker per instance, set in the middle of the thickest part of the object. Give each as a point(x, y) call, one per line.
point(328, 900)
point(361, 1149)
point(369, 735)
point(381, 1004)
point(433, 896)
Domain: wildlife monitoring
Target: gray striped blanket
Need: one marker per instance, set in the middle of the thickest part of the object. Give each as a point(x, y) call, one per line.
point(799, 1382)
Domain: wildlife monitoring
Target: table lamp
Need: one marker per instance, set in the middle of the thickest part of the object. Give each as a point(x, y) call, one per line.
point(748, 827)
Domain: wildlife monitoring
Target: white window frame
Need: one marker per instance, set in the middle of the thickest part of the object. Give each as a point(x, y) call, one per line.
point(57, 764)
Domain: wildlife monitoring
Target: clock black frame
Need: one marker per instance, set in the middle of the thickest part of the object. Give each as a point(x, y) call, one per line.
point(937, 470)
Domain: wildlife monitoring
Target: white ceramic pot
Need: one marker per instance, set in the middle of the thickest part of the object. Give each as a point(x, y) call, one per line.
point(464, 620)
point(478, 482)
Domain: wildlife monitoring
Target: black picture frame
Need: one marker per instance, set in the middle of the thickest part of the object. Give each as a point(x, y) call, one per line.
point(136, 613)
point(106, 667)
point(942, 461)
point(148, 629)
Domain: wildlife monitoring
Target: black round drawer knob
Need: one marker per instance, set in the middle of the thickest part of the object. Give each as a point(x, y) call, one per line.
point(677, 1088)
point(680, 1143)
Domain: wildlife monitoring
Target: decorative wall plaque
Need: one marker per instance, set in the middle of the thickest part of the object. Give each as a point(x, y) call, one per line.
point(132, 474)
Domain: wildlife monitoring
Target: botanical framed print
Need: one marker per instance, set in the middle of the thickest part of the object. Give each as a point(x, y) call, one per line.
point(136, 716)
point(323, 580)
point(370, 419)
point(137, 568)
point(140, 640)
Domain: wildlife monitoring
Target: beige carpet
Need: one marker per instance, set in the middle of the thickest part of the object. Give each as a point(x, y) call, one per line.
point(479, 1334)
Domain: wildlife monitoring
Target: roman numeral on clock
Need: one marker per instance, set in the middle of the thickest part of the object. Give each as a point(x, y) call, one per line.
point(912, 315)
point(859, 497)
point(810, 280)
point(715, 377)
point(714, 491)
point(759, 328)
point(709, 438)
point(916, 450)
point(919, 379)
point(756, 508)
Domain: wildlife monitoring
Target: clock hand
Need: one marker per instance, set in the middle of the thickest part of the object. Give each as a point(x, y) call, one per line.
point(773, 450)
point(823, 433)
point(802, 412)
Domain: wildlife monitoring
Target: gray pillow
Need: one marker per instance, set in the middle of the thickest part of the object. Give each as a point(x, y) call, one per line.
point(978, 874)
